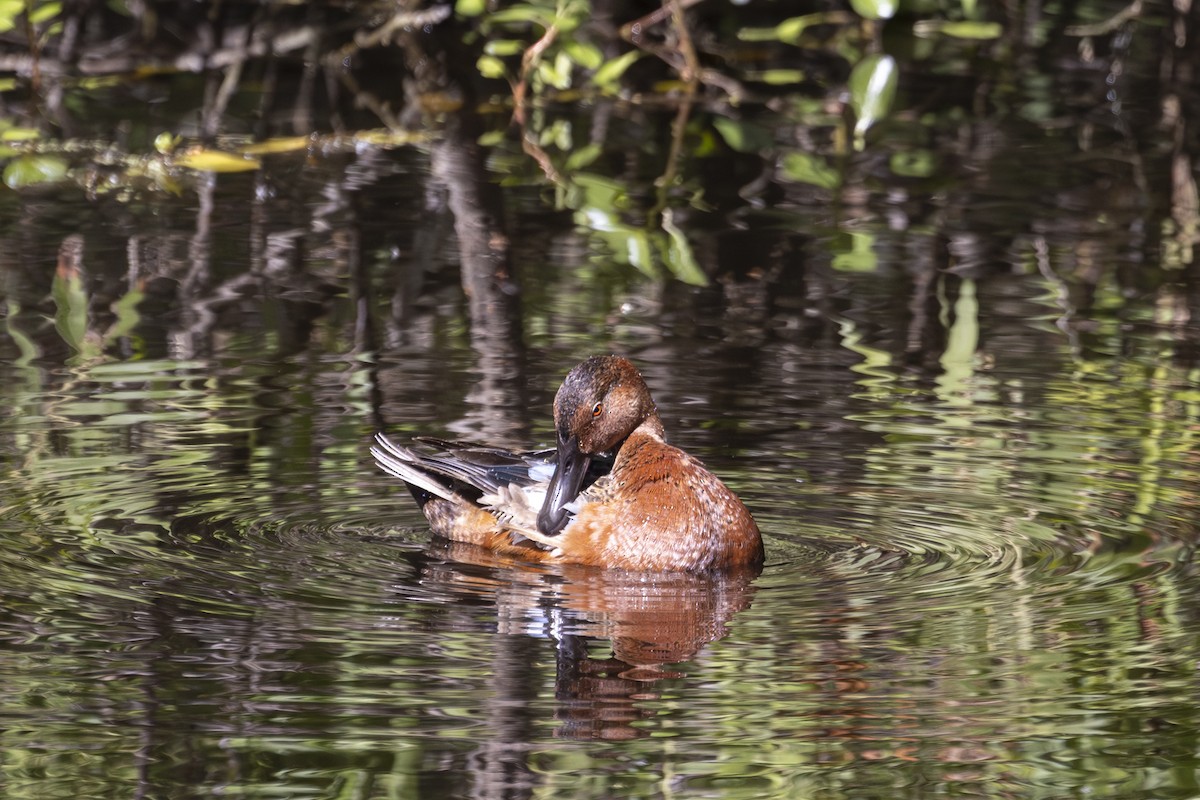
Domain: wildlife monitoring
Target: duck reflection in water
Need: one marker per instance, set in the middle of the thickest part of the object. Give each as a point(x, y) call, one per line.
point(612, 494)
point(654, 622)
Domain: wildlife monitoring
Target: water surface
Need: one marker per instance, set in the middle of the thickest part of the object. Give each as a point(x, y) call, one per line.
point(962, 403)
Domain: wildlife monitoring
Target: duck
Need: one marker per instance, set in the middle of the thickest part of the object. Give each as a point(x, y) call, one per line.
point(611, 494)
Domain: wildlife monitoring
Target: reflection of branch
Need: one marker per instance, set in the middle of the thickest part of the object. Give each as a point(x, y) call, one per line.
point(1109, 25)
point(264, 40)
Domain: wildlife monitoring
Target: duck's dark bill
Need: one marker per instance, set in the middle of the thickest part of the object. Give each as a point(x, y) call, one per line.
point(565, 485)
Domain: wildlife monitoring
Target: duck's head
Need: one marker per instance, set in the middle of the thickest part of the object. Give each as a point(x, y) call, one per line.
point(600, 402)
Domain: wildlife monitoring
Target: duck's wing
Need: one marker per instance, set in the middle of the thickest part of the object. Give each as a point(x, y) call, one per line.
point(460, 471)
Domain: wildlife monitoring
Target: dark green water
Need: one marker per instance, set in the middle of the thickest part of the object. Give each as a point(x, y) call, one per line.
point(953, 372)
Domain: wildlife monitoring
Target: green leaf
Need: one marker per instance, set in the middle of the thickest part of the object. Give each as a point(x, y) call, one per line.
point(522, 13)
point(583, 157)
point(34, 170)
point(491, 67)
point(470, 8)
point(45, 12)
point(585, 55)
point(504, 47)
point(874, 9)
point(807, 168)
point(681, 258)
point(9, 11)
point(744, 137)
point(872, 87)
point(612, 70)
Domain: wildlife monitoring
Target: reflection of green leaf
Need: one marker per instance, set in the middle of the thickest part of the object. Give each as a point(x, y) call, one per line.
point(872, 87)
point(613, 69)
point(34, 170)
point(470, 8)
point(854, 252)
point(789, 31)
point(914, 164)
point(71, 300)
point(807, 168)
point(778, 77)
point(125, 309)
point(744, 137)
point(959, 30)
point(29, 349)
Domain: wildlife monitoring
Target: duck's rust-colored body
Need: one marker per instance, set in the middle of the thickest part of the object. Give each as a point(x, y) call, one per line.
point(655, 509)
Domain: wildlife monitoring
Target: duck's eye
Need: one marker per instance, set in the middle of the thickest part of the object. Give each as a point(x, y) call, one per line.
point(597, 409)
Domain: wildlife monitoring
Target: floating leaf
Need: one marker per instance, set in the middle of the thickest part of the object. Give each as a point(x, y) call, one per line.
point(807, 168)
point(20, 134)
point(217, 161)
point(166, 142)
point(34, 170)
point(872, 87)
point(612, 70)
point(283, 144)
